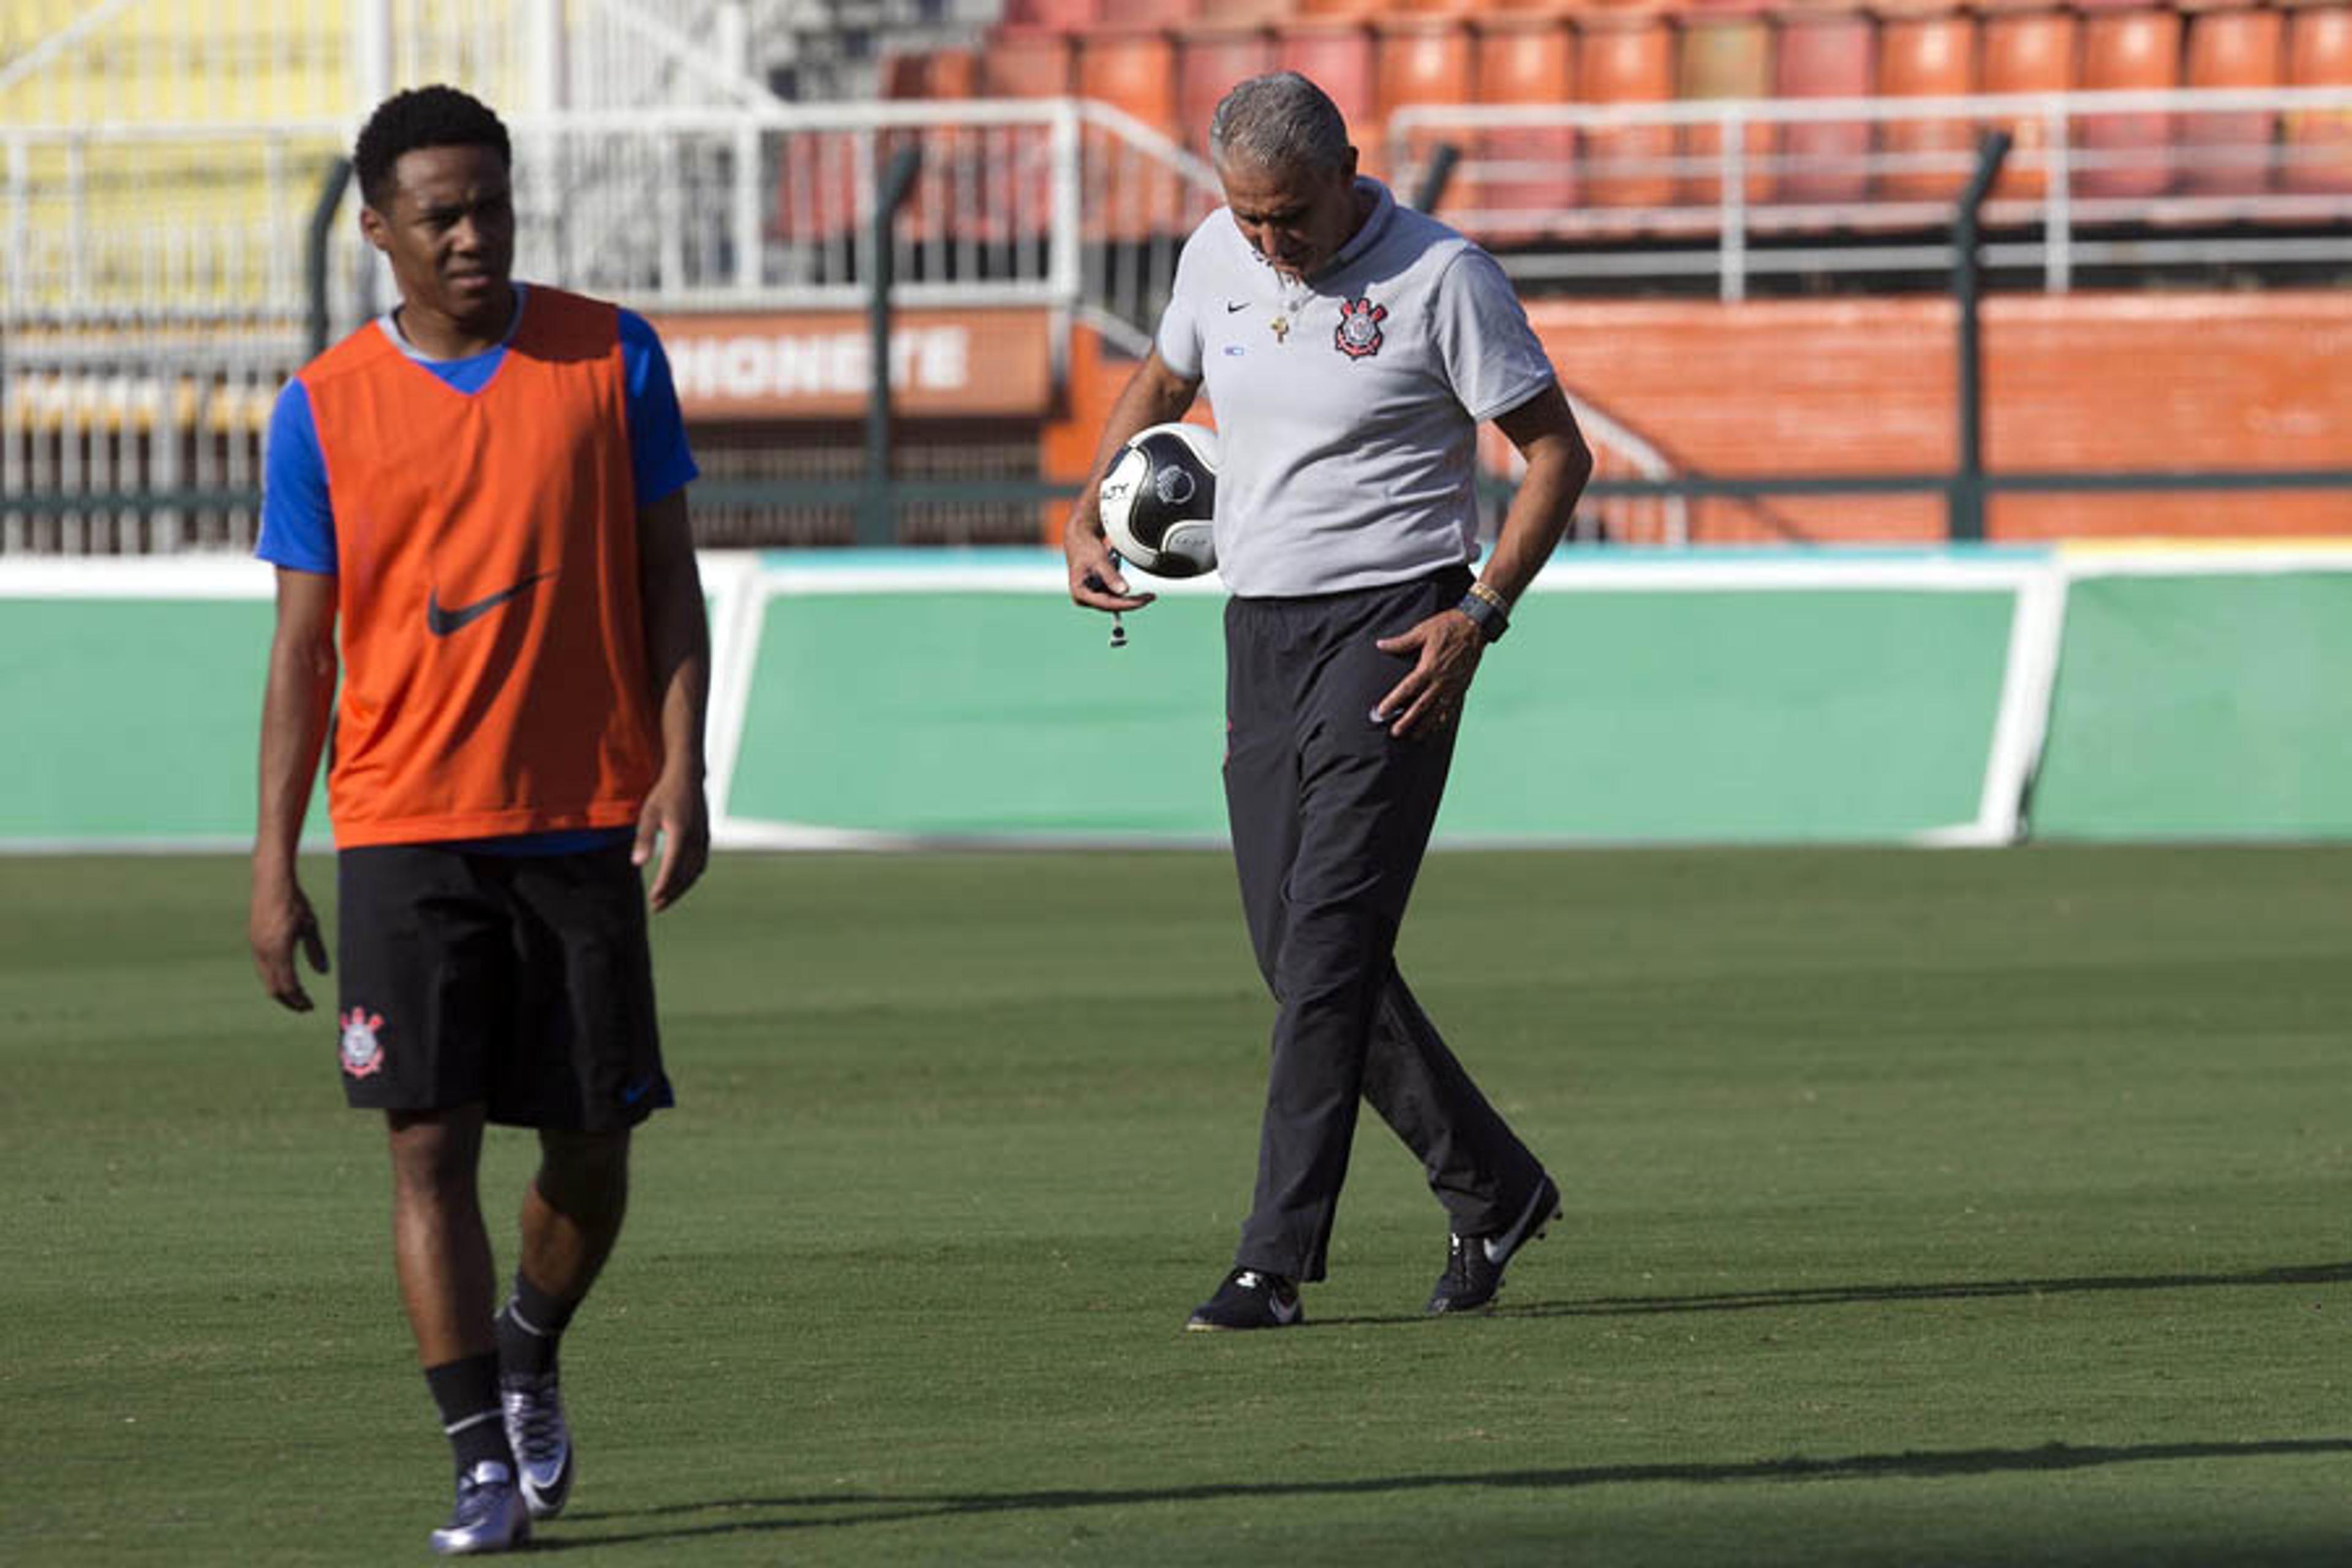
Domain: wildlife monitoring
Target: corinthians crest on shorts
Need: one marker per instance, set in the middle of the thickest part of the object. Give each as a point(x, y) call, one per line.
point(1358, 334)
point(362, 1053)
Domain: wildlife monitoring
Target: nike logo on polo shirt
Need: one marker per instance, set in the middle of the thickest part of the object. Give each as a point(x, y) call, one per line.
point(441, 621)
point(1230, 307)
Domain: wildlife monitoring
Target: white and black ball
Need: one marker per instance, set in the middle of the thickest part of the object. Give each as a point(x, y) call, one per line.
point(1158, 498)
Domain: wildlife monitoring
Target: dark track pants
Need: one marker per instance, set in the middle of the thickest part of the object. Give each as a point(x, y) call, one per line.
point(1331, 815)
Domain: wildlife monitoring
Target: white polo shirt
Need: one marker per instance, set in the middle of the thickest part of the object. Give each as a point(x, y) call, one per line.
point(1348, 405)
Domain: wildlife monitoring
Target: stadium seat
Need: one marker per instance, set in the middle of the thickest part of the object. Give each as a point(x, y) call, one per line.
point(1025, 63)
point(1826, 54)
point(1060, 15)
point(2231, 153)
point(2027, 51)
point(1154, 12)
point(1209, 61)
point(1419, 59)
point(817, 196)
point(1337, 55)
point(1725, 55)
point(1927, 54)
point(1523, 58)
point(2126, 155)
point(2318, 143)
point(1132, 69)
point(1028, 62)
point(1627, 59)
point(912, 74)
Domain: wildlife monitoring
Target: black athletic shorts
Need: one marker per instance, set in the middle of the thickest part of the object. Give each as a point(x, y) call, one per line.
point(520, 982)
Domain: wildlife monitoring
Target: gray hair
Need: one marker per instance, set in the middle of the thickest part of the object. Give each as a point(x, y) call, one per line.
point(1278, 122)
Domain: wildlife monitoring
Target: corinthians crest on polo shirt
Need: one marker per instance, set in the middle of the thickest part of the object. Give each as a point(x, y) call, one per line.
point(362, 1053)
point(1357, 335)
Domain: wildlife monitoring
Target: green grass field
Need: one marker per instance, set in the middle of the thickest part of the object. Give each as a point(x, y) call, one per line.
point(1960, 1208)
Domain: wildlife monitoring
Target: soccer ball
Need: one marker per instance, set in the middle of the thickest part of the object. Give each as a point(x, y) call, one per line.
point(1158, 499)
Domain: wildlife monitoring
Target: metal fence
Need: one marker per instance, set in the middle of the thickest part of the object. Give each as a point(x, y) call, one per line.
point(1736, 191)
point(153, 298)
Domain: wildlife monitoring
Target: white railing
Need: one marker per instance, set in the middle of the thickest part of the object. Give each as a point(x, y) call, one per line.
point(1589, 192)
point(1057, 202)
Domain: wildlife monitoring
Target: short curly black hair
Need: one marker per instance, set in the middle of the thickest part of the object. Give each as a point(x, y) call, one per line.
point(422, 117)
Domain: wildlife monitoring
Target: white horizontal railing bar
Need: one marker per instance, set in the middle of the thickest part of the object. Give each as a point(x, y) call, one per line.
point(1919, 257)
point(1806, 111)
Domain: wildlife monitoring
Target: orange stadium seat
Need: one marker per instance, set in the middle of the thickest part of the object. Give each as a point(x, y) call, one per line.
point(915, 74)
point(1025, 63)
point(1209, 61)
point(1627, 58)
point(1154, 12)
point(1423, 59)
point(816, 187)
point(2027, 51)
point(2318, 144)
point(1336, 56)
point(1823, 56)
point(1242, 13)
point(2126, 155)
point(1926, 55)
point(1133, 69)
point(905, 74)
point(2230, 154)
point(1725, 55)
point(1062, 16)
point(951, 73)
point(1524, 58)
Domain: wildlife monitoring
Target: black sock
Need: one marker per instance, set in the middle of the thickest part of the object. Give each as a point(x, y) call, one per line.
point(530, 1328)
point(467, 1394)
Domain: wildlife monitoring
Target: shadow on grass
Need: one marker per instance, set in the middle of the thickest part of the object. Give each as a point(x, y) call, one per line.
point(848, 1509)
point(1951, 1290)
point(1843, 1294)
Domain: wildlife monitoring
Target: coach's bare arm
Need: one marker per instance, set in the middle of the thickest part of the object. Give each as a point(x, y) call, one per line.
point(677, 657)
point(295, 704)
point(1446, 648)
point(1154, 394)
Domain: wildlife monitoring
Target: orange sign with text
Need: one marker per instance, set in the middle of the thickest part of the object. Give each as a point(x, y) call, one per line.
point(805, 364)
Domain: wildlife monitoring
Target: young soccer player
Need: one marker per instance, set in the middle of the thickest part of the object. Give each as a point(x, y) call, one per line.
point(485, 489)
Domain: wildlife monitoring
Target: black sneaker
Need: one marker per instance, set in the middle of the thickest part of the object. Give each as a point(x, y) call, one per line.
point(1249, 1300)
point(1474, 1264)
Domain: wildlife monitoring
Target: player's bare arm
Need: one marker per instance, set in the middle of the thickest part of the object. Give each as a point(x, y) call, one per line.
point(1446, 649)
point(295, 705)
point(676, 814)
point(1154, 394)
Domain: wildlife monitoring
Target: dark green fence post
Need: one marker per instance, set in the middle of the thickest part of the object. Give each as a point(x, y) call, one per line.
point(1440, 174)
point(877, 521)
point(314, 251)
point(1964, 516)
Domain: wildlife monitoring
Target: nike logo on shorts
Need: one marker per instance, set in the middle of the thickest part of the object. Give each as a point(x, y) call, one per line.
point(441, 621)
